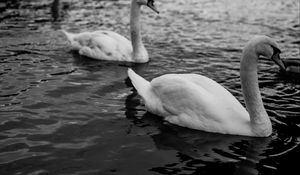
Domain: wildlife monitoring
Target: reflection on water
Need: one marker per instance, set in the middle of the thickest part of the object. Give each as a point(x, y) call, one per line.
point(61, 113)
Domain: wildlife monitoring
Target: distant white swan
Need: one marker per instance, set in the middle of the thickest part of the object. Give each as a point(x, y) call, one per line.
point(198, 102)
point(108, 45)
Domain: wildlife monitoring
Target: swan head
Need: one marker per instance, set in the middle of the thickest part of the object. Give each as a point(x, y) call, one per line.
point(148, 3)
point(268, 48)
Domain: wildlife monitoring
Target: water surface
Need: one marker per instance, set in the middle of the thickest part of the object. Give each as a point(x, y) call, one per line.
point(61, 113)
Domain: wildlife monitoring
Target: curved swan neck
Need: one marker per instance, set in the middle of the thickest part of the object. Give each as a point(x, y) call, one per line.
point(260, 121)
point(139, 52)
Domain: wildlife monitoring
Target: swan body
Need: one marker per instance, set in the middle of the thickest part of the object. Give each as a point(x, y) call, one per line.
point(198, 102)
point(111, 46)
point(194, 101)
point(101, 45)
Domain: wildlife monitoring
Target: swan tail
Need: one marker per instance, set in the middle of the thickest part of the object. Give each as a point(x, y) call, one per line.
point(140, 84)
point(70, 36)
point(72, 39)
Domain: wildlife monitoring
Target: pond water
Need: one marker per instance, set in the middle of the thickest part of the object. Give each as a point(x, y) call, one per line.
point(61, 113)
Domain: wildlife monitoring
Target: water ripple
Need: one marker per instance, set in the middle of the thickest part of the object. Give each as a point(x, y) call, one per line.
point(57, 106)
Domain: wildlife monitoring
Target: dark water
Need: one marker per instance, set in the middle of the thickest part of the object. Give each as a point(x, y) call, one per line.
point(65, 114)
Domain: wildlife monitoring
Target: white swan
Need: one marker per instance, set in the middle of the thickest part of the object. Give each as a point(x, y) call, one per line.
point(108, 45)
point(197, 102)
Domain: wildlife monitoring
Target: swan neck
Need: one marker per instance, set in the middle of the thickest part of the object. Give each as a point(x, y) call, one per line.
point(139, 52)
point(260, 122)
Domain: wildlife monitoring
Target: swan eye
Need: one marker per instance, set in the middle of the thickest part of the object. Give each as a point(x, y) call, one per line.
point(276, 50)
point(150, 4)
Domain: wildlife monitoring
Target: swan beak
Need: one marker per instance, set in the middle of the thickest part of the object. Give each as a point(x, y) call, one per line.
point(151, 5)
point(278, 61)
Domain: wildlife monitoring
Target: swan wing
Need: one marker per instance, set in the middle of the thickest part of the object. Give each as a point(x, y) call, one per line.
point(197, 102)
point(103, 45)
point(217, 90)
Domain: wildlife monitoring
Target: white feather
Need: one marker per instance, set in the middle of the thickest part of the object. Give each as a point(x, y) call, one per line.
point(198, 102)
